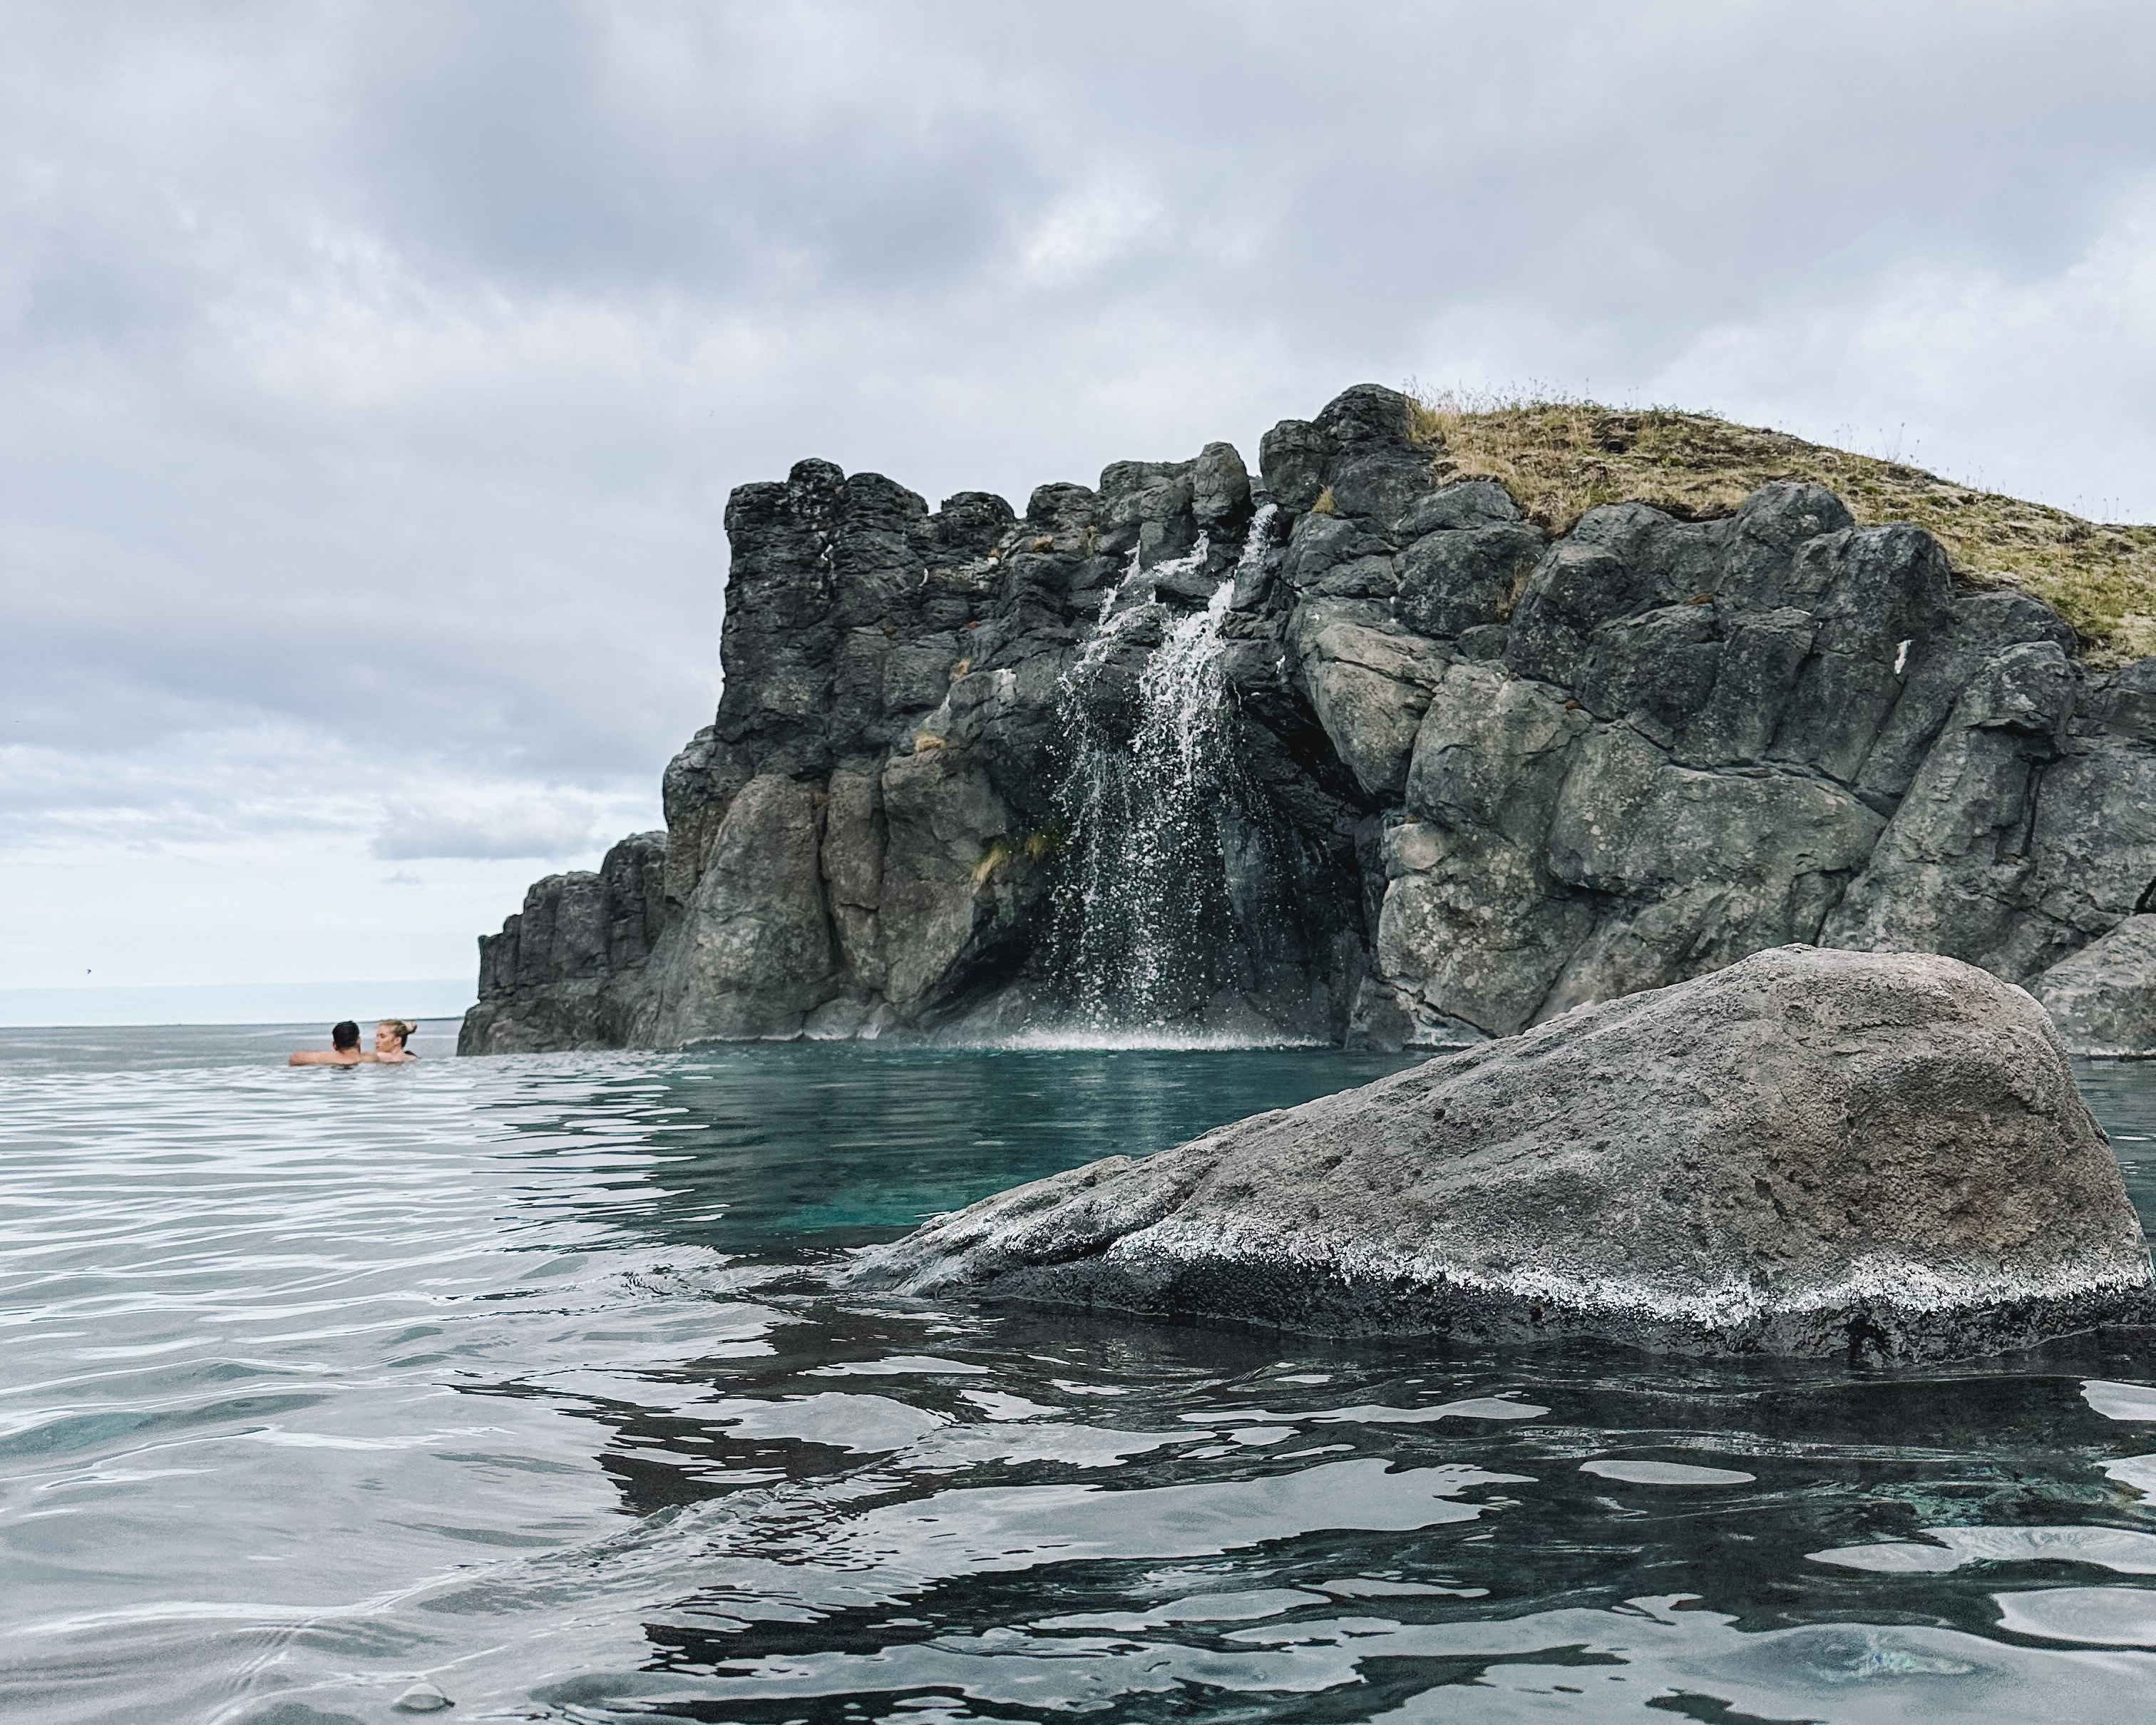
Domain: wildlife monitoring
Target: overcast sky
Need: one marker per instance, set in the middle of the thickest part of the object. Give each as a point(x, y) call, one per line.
point(372, 377)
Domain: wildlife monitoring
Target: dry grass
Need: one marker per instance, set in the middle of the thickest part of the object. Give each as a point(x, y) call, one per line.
point(1560, 458)
point(993, 855)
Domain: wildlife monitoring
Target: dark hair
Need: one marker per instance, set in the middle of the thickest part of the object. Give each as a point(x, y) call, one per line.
point(344, 1036)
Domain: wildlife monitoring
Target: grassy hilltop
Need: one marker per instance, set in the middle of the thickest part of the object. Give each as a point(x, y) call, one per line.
point(1561, 458)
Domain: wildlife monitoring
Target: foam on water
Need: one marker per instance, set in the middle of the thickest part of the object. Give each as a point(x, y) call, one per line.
point(511, 1379)
point(1081, 1039)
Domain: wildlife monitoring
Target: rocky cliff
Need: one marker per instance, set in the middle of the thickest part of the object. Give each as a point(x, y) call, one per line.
point(1356, 753)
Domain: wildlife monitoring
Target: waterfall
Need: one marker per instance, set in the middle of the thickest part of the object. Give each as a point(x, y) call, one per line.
point(1154, 805)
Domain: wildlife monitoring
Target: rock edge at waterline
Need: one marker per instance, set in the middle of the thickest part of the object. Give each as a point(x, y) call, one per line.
point(1811, 1152)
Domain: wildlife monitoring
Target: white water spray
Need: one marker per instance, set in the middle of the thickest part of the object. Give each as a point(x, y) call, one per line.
point(1152, 800)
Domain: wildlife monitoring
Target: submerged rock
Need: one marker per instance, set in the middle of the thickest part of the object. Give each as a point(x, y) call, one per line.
point(1811, 1153)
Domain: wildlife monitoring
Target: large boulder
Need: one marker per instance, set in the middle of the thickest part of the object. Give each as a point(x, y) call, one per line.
point(757, 956)
point(2103, 998)
point(1811, 1153)
point(1368, 681)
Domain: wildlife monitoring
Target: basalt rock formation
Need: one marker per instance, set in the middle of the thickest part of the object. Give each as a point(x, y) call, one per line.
point(1808, 1152)
point(1353, 753)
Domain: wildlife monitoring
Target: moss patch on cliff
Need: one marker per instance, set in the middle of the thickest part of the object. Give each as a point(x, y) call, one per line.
point(1560, 458)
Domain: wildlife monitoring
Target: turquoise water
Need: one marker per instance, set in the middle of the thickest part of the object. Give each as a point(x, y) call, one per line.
point(507, 1375)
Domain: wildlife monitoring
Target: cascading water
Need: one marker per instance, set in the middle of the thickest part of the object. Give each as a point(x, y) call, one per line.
point(1155, 805)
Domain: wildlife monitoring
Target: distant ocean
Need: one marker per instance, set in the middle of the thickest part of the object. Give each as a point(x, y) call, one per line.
point(239, 1003)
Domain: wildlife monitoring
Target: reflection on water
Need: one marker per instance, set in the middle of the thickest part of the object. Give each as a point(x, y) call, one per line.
point(505, 1373)
point(820, 1146)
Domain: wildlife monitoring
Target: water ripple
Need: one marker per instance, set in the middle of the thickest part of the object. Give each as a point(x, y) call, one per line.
point(506, 1374)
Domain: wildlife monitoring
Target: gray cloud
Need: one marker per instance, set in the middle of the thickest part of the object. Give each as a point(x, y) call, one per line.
point(557, 827)
point(374, 376)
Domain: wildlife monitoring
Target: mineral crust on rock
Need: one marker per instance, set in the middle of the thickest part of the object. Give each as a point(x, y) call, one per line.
point(1808, 1152)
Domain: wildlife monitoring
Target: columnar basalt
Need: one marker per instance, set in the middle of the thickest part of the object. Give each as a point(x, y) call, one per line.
point(1454, 779)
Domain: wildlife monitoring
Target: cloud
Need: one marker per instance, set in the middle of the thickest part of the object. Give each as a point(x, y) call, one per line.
point(1087, 231)
point(371, 382)
point(557, 827)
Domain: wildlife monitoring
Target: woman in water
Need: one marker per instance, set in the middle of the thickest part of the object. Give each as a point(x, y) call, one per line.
point(390, 1036)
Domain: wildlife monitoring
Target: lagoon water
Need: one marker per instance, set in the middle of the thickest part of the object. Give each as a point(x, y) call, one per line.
point(511, 1376)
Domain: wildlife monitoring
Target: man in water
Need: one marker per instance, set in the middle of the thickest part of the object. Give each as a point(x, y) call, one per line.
point(343, 1052)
